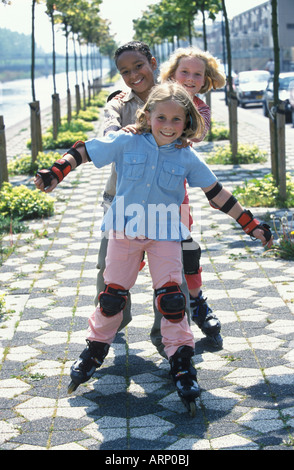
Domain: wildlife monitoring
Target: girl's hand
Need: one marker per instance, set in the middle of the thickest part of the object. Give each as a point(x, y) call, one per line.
point(40, 184)
point(131, 128)
point(258, 233)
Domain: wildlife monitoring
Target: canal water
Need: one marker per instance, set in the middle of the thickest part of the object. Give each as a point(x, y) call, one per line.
point(16, 95)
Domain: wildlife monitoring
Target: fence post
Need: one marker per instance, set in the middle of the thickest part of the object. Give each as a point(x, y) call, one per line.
point(3, 155)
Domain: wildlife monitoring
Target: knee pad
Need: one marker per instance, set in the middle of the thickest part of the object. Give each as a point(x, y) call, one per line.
point(171, 302)
point(112, 300)
point(191, 256)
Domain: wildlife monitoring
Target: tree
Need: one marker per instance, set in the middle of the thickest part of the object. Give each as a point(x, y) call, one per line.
point(3, 156)
point(166, 20)
point(56, 117)
point(65, 11)
point(36, 131)
point(232, 98)
point(277, 120)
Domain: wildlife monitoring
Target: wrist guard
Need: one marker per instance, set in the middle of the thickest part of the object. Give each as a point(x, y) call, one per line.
point(75, 153)
point(58, 170)
point(249, 224)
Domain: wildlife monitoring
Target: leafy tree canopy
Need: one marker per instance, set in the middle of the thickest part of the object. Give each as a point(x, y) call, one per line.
point(15, 45)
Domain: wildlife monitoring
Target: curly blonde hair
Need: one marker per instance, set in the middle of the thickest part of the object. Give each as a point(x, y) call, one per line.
point(214, 75)
point(172, 91)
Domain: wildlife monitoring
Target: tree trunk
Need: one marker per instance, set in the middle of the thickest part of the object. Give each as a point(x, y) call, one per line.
point(232, 99)
point(78, 98)
point(56, 118)
point(277, 134)
point(36, 131)
point(3, 155)
point(33, 52)
point(69, 114)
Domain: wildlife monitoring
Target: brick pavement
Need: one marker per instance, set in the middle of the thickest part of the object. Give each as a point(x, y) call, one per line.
point(247, 387)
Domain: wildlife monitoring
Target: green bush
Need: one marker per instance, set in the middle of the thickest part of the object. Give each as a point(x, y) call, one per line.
point(100, 99)
point(64, 140)
point(2, 305)
point(24, 203)
point(75, 125)
point(89, 114)
point(265, 193)
point(218, 131)
point(246, 154)
point(284, 230)
point(23, 165)
point(11, 225)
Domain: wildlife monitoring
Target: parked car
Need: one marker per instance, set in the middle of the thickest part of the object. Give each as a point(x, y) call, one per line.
point(286, 86)
point(250, 86)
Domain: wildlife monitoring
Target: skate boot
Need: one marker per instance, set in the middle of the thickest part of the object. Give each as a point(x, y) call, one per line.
point(206, 320)
point(90, 359)
point(185, 377)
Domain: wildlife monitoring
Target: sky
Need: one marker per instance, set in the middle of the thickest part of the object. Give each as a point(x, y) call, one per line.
point(17, 17)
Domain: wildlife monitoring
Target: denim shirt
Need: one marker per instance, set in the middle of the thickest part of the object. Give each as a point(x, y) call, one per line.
point(150, 184)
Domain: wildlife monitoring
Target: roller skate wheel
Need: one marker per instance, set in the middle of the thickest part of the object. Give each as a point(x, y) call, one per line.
point(217, 341)
point(191, 407)
point(72, 387)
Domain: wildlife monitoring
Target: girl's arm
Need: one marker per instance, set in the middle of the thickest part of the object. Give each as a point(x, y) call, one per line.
point(222, 199)
point(205, 112)
point(47, 180)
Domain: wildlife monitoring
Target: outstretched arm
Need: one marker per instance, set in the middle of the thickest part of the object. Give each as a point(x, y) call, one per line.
point(47, 180)
point(222, 199)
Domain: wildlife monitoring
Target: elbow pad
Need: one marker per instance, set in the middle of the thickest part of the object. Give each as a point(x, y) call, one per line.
point(76, 154)
point(228, 205)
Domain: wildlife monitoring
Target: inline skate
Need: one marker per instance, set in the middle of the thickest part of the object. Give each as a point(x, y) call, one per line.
point(90, 359)
point(185, 377)
point(206, 320)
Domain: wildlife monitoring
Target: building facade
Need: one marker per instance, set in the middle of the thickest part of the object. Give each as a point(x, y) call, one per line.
point(251, 37)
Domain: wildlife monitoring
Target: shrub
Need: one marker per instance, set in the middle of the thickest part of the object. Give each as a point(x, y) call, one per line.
point(264, 192)
point(217, 132)
point(23, 165)
point(75, 125)
point(284, 247)
point(245, 154)
point(100, 99)
point(11, 225)
point(24, 203)
point(2, 305)
point(64, 140)
point(89, 114)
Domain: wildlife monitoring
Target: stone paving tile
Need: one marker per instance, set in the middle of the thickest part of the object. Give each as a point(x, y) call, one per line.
point(130, 404)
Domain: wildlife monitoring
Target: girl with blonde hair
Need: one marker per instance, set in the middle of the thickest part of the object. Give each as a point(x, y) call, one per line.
point(198, 72)
point(145, 217)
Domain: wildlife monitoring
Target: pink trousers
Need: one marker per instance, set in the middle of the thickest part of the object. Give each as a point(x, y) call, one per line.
point(122, 266)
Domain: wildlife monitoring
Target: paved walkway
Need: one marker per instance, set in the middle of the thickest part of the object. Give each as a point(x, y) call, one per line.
point(247, 387)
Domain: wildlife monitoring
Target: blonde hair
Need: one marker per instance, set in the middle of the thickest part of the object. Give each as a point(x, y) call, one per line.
point(172, 91)
point(214, 75)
